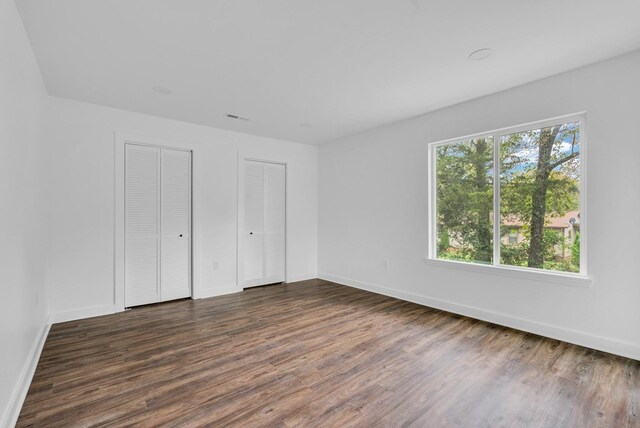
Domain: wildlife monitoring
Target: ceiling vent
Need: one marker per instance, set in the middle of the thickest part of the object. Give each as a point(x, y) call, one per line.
point(236, 117)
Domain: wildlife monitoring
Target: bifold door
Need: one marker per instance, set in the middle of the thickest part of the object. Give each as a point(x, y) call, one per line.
point(263, 224)
point(157, 224)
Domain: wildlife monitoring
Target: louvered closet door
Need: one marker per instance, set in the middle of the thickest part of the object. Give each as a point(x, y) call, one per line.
point(274, 222)
point(264, 223)
point(175, 225)
point(157, 225)
point(253, 222)
point(142, 223)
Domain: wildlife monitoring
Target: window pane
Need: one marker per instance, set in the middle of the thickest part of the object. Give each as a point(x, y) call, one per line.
point(540, 198)
point(464, 201)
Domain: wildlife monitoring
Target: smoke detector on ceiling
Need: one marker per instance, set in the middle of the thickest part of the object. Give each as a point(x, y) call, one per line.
point(480, 54)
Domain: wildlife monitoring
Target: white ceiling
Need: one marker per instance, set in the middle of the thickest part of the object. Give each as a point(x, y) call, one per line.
point(340, 66)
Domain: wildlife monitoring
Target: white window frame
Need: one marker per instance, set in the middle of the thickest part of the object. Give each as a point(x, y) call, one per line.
point(580, 279)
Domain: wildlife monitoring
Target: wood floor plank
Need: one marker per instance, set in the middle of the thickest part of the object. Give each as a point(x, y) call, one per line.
point(315, 353)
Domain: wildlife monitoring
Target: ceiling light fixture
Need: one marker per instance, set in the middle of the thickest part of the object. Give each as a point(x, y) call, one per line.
point(161, 90)
point(480, 54)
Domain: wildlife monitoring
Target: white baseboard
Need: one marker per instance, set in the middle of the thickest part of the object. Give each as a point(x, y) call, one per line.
point(78, 314)
point(217, 291)
point(625, 349)
point(301, 277)
point(11, 413)
point(230, 289)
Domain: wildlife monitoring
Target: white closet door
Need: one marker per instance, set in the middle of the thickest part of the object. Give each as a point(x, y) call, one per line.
point(263, 241)
point(274, 210)
point(142, 222)
point(253, 222)
point(175, 225)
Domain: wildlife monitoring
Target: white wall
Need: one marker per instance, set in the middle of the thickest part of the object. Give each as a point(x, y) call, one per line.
point(373, 206)
point(57, 192)
point(23, 203)
point(81, 263)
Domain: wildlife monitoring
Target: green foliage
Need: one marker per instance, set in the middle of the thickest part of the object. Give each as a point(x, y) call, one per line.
point(562, 195)
point(462, 255)
point(539, 180)
point(514, 255)
point(518, 254)
point(443, 241)
point(552, 239)
point(465, 199)
point(562, 266)
point(575, 252)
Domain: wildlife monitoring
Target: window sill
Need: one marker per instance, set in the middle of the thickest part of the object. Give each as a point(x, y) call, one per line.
point(529, 274)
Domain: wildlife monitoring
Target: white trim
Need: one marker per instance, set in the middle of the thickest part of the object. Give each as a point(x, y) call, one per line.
point(78, 314)
point(523, 272)
point(301, 277)
point(217, 291)
point(265, 158)
point(496, 200)
point(584, 250)
point(19, 393)
point(543, 123)
point(617, 347)
point(514, 271)
point(121, 139)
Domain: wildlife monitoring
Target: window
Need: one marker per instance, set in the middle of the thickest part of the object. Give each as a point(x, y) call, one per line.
point(511, 198)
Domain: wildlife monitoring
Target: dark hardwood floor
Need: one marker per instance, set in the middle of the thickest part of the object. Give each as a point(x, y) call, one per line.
point(316, 353)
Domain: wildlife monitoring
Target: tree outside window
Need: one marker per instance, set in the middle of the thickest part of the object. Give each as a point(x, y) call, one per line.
point(537, 198)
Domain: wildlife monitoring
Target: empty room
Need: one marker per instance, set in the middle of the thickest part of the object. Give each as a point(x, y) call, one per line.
point(295, 213)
